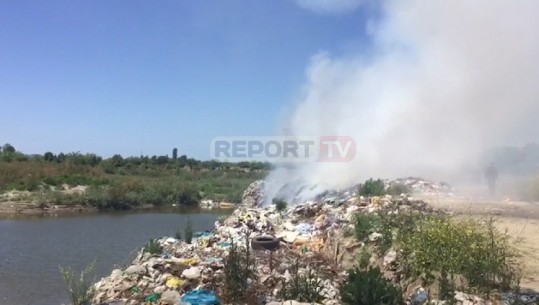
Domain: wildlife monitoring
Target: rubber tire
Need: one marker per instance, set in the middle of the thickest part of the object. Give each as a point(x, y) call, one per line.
point(265, 243)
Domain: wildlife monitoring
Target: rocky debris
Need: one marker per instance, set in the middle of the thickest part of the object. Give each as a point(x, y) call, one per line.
point(254, 196)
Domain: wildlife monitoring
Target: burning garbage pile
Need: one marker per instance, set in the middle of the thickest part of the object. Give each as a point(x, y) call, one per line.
point(323, 251)
point(256, 193)
point(304, 242)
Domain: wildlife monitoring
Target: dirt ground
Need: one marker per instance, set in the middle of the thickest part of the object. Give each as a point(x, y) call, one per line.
point(520, 219)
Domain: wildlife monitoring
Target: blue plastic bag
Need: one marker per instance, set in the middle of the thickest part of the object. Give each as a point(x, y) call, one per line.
point(199, 297)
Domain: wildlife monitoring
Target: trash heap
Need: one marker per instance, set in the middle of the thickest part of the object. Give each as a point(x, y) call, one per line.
point(311, 236)
point(423, 186)
point(254, 194)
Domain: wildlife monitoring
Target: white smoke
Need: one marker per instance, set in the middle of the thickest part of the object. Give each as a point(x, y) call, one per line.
point(443, 81)
point(330, 6)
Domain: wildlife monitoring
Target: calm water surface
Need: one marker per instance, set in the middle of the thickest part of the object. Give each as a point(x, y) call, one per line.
point(32, 249)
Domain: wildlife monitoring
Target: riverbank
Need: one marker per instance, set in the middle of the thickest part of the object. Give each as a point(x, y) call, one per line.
point(30, 208)
point(14, 208)
point(56, 182)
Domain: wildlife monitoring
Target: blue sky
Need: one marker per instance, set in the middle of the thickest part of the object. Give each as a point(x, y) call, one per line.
point(135, 77)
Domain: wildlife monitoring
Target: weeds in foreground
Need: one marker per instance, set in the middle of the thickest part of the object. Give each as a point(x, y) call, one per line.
point(80, 288)
point(364, 258)
point(189, 231)
point(239, 273)
point(389, 225)
point(470, 253)
point(369, 287)
point(304, 287)
point(153, 247)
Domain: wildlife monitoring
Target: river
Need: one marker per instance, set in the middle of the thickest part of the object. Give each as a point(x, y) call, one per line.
point(33, 248)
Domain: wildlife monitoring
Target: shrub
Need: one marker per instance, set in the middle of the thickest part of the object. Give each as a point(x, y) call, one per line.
point(471, 252)
point(188, 230)
point(369, 287)
point(80, 288)
point(372, 188)
point(364, 258)
point(397, 189)
point(366, 224)
point(153, 247)
point(280, 204)
point(304, 287)
point(178, 235)
point(239, 273)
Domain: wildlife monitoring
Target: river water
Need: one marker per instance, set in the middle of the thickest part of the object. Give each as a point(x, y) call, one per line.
point(33, 248)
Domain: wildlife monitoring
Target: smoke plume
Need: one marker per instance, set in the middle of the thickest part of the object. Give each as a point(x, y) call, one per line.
point(442, 81)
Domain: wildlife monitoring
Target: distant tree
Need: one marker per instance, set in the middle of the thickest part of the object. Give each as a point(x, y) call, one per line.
point(60, 158)
point(8, 148)
point(162, 160)
point(174, 154)
point(48, 156)
point(117, 160)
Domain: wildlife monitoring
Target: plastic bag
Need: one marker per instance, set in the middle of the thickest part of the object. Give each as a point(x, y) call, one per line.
point(199, 297)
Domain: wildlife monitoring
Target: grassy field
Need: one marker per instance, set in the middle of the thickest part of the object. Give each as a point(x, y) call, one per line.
point(118, 183)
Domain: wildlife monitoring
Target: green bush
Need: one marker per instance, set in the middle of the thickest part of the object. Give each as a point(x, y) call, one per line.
point(397, 189)
point(372, 188)
point(188, 231)
point(80, 288)
point(239, 271)
point(304, 287)
point(366, 224)
point(472, 252)
point(280, 204)
point(369, 287)
point(153, 247)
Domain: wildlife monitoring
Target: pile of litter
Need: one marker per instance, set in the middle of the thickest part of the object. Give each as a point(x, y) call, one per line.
point(254, 194)
point(311, 236)
point(423, 186)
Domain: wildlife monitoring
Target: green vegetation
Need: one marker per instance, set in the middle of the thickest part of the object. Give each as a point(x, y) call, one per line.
point(469, 254)
point(153, 247)
point(239, 274)
point(444, 252)
point(377, 187)
point(280, 204)
point(369, 287)
point(178, 235)
point(303, 287)
point(80, 288)
point(372, 188)
point(189, 231)
point(123, 183)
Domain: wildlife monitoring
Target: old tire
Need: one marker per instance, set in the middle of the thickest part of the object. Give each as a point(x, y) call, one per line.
point(265, 243)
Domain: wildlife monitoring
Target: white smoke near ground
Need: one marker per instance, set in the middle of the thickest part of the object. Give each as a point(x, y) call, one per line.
point(443, 81)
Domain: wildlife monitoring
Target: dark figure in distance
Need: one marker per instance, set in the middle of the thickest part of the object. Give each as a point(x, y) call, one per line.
point(491, 174)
